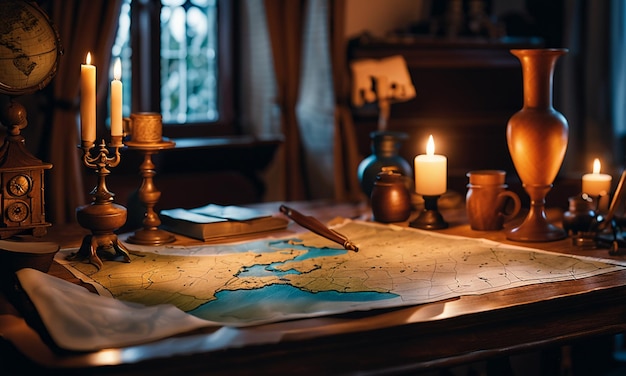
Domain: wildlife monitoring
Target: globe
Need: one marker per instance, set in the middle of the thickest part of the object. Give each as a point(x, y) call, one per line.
point(29, 48)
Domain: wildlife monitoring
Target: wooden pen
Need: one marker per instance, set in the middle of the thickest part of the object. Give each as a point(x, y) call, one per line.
point(313, 224)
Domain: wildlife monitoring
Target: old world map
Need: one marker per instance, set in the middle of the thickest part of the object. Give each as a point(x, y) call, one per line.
point(306, 275)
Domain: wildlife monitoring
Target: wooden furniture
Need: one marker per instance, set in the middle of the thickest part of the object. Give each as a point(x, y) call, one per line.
point(466, 90)
point(404, 340)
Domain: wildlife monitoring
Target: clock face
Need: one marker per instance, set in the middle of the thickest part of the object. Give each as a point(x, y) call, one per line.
point(17, 211)
point(19, 185)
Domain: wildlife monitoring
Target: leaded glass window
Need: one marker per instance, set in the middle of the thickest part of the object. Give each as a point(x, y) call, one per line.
point(188, 60)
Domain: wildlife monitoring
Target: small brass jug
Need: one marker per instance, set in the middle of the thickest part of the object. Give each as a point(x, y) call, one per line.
point(390, 200)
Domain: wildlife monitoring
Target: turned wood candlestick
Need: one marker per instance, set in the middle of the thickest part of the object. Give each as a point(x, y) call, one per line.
point(149, 196)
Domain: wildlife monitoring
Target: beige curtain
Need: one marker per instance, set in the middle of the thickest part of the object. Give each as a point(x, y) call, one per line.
point(84, 26)
point(284, 21)
point(305, 160)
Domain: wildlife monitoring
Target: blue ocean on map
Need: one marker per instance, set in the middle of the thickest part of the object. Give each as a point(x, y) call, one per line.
point(271, 303)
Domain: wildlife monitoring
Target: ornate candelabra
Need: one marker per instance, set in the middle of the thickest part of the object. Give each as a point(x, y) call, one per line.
point(102, 216)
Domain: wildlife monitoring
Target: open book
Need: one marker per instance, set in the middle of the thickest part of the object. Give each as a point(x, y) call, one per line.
point(216, 221)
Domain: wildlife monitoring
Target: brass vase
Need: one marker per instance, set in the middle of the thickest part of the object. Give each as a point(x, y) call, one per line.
point(537, 139)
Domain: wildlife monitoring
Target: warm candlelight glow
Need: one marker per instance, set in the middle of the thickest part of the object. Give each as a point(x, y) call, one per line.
point(596, 166)
point(88, 100)
point(430, 146)
point(117, 69)
point(116, 100)
point(430, 172)
point(596, 184)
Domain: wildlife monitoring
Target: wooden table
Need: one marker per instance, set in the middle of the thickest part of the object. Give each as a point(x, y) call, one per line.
point(403, 340)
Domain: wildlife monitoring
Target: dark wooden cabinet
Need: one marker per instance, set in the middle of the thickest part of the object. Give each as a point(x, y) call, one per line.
point(466, 90)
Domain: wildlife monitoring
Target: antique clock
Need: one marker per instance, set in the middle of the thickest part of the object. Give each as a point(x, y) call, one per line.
point(29, 53)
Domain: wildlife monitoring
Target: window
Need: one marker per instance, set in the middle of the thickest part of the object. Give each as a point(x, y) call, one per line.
point(190, 85)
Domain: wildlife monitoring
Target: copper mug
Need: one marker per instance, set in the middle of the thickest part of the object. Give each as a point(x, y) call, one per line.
point(488, 200)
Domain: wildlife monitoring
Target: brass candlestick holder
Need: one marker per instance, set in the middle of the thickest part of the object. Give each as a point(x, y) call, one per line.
point(102, 216)
point(149, 196)
point(430, 218)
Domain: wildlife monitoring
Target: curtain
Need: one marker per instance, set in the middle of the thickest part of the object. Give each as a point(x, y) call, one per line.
point(583, 92)
point(346, 153)
point(309, 55)
point(259, 112)
point(316, 103)
point(84, 26)
point(284, 21)
point(618, 74)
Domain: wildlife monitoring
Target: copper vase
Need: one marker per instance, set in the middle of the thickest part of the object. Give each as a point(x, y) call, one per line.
point(537, 139)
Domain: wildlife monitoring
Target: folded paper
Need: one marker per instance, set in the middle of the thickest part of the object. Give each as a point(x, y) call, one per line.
point(77, 319)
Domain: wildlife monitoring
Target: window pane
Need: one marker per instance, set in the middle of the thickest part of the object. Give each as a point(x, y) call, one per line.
point(189, 61)
point(188, 66)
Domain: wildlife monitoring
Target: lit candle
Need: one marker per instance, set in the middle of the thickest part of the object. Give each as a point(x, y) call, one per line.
point(116, 99)
point(430, 172)
point(88, 101)
point(596, 184)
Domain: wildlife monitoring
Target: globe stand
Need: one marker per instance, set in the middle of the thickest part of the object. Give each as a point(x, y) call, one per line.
point(28, 65)
point(102, 216)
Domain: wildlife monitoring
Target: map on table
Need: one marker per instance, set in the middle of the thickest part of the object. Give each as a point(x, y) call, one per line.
point(306, 275)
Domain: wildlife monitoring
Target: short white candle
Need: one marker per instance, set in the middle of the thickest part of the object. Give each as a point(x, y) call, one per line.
point(88, 100)
point(116, 100)
point(596, 184)
point(430, 172)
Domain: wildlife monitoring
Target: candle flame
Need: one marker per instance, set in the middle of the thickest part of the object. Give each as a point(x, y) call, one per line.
point(596, 166)
point(117, 69)
point(88, 59)
point(430, 146)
